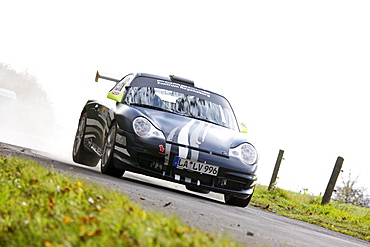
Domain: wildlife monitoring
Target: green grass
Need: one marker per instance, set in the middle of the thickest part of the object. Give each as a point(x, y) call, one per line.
point(340, 217)
point(40, 207)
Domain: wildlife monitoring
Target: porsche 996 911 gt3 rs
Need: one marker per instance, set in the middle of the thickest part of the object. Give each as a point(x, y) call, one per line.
point(167, 128)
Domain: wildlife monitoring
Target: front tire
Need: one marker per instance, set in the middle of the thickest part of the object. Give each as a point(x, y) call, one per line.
point(107, 165)
point(79, 154)
point(235, 201)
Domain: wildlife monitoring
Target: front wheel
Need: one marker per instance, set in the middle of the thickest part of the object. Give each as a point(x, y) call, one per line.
point(107, 166)
point(79, 154)
point(235, 201)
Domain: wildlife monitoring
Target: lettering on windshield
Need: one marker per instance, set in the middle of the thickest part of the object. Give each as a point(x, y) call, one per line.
point(183, 87)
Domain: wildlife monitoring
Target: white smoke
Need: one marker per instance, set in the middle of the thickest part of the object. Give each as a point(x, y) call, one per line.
point(27, 115)
point(8, 100)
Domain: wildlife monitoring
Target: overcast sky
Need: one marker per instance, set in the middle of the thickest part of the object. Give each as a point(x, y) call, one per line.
point(296, 72)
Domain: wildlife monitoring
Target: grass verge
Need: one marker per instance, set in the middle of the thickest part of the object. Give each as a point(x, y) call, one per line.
point(340, 217)
point(40, 207)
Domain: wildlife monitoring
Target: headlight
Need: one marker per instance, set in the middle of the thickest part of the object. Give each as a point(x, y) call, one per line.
point(246, 153)
point(145, 129)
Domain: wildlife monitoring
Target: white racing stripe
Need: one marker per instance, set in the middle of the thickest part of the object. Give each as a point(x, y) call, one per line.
point(194, 140)
point(122, 150)
point(206, 132)
point(184, 139)
point(169, 146)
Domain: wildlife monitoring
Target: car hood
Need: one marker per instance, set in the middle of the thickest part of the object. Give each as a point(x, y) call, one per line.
point(190, 132)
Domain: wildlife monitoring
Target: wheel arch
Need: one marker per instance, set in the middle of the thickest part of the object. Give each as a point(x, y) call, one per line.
point(81, 154)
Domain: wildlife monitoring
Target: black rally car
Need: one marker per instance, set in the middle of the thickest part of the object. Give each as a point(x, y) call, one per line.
point(167, 128)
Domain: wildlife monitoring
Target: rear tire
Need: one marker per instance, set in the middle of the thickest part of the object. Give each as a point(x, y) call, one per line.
point(235, 201)
point(107, 165)
point(79, 154)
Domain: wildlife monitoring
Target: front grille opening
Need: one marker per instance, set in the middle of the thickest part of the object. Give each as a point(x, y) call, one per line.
point(233, 183)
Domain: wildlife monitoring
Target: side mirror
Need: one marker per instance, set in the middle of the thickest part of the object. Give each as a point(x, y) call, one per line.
point(115, 95)
point(243, 128)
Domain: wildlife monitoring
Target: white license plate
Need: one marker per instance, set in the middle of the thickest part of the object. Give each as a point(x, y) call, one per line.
point(196, 166)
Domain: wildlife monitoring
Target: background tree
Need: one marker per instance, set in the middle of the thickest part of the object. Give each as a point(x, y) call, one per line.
point(350, 194)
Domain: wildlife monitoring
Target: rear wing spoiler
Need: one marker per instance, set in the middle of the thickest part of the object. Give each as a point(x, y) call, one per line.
point(106, 77)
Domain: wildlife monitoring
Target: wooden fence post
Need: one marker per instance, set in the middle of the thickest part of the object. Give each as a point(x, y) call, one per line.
point(333, 179)
point(276, 169)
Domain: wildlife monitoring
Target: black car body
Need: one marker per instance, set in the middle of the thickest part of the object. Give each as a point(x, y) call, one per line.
point(164, 127)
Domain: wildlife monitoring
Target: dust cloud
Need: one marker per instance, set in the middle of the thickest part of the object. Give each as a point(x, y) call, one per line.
point(27, 115)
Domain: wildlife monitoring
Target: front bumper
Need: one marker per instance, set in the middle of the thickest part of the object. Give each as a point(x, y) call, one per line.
point(148, 158)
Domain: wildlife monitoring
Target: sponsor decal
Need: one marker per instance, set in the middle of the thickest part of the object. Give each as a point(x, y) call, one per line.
point(184, 87)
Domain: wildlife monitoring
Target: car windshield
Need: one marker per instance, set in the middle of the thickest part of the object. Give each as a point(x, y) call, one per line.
point(188, 104)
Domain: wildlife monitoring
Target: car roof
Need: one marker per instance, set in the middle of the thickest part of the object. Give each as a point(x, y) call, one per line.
point(172, 78)
point(153, 76)
point(168, 78)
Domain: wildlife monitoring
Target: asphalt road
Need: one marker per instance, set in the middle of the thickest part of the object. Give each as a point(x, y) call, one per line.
point(251, 226)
